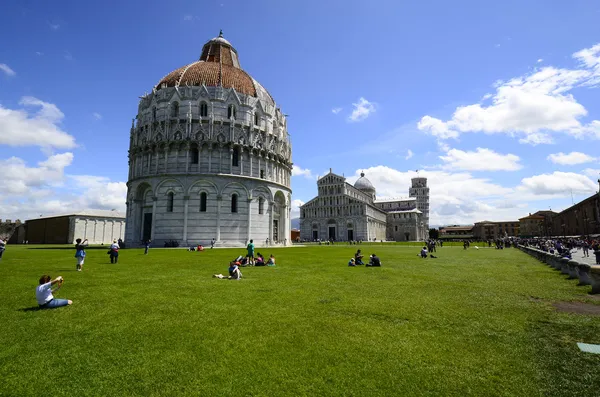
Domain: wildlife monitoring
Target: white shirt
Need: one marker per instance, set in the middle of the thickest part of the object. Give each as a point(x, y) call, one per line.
point(43, 293)
point(114, 246)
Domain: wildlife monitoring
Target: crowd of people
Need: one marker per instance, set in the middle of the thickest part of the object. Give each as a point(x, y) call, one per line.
point(564, 247)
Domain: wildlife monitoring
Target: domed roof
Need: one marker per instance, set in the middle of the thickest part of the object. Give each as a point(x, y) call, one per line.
point(364, 184)
point(218, 66)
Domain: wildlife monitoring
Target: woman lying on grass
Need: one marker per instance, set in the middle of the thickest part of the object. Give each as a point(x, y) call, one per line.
point(43, 293)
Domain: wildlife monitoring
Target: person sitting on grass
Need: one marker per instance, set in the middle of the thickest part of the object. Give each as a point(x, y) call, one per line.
point(374, 261)
point(424, 252)
point(234, 271)
point(351, 263)
point(358, 258)
point(43, 293)
point(271, 261)
point(260, 260)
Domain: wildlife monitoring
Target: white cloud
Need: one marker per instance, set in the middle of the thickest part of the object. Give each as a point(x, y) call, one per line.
point(45, 189)
point(362, 110)
point(97, 116)
point(592, 173)
point(21, 128)
point(188, 17)
point(480, 160)
point(295, 209)
point(39, 53)
point(6, 69)
point(570, 158)
point(540, 60)
point(557, 184)
point(53, 26)
point(68, 56)
point(409, 154)
point(298, 171)
point(336, 110)
point(19, 179)
point(531, 106)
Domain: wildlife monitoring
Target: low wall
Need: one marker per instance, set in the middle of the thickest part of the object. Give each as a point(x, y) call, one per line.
point(587, 275)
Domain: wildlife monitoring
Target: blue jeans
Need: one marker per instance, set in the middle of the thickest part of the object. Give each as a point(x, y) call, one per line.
point(54, 303)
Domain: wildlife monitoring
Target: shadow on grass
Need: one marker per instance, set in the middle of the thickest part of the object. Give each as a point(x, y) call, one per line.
point(29, 309)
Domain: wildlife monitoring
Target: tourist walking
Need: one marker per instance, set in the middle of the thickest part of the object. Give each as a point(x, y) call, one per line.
point(2, 247)
point(80, 252)
point(114, 252)
point(212, 243)
point(44, 293)
point(147, 246)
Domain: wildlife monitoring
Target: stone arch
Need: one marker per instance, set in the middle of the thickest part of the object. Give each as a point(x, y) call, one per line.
point(232, 186)
point(264, 192)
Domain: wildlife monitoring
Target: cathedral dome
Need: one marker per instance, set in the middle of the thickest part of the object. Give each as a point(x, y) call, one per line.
point(364, 184)
point(218, 66)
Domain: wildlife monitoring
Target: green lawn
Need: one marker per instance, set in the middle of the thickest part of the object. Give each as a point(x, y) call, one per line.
point(475, 322)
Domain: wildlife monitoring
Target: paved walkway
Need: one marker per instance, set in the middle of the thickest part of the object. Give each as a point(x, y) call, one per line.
point(578, 256)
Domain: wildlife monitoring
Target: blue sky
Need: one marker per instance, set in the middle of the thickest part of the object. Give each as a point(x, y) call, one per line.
point(495, 102)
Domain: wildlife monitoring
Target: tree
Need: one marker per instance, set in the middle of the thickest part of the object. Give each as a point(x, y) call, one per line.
point(434, 234)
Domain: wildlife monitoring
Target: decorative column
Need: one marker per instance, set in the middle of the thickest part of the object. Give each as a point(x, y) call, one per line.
point(231, 160)
point(271, 222)
point(249, 216)
point(156, 165)
point(241, 161)
point(250, 157)
point(154, 199)
point(167, 158)
point(210, 148)
point(186, 200)
point(219, 199)
point(187, 158)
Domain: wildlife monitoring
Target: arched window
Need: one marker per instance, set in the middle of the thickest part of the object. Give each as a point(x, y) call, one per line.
point(175, 109)
point(261, 206)
point(235, 158)
point(154, 113)
point(231, 112)
point(256, 119)
point(203, 109)
point(195, 156)
point(262, 174)
point(203, 202)
point(234, 199)
point(170, 199)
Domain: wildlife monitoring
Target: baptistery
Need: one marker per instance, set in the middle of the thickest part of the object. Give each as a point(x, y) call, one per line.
point(209, 158)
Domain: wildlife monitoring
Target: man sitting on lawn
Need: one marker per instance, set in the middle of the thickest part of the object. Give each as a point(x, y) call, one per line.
point(374, 261)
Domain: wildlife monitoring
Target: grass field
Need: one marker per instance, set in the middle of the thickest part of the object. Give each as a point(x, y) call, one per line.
point(475, 322)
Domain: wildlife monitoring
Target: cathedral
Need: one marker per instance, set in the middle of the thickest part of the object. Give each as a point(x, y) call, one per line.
point(209, 157)
point(342, 212)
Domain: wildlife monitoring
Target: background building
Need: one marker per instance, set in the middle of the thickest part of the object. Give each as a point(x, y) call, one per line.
point(344, 212)
point(487, 230)
point(581, 219)
point(98, 226)
point(454, 232)
point(209, 157)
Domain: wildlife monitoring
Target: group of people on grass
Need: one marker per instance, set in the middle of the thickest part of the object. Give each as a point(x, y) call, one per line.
point(249, 260)
point(374, 260)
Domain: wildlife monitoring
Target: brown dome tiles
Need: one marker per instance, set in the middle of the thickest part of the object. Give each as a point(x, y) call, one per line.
point(208, 73)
